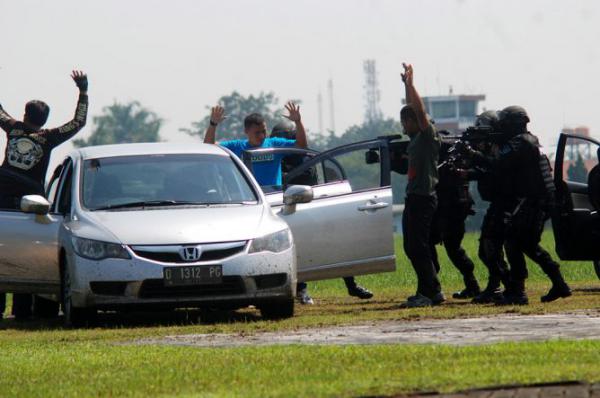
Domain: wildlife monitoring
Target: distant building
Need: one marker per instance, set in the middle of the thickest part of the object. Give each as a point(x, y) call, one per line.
point(453, 112)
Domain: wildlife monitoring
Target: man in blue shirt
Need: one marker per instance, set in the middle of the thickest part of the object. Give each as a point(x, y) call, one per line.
point(267, 168)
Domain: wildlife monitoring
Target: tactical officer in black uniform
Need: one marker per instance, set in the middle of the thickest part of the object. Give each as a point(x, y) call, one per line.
point(448, 225)
point(287, 129)
point(491, 241)
point(524, 179)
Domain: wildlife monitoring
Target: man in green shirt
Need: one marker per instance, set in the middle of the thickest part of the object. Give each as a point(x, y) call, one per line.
point(421, 201)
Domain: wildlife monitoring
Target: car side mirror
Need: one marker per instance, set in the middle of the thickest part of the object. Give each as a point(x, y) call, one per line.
point(294, 195)
point(371, 156)
point(35, 204)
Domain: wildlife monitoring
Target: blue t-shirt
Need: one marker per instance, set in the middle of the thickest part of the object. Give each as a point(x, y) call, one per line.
point(266, 167)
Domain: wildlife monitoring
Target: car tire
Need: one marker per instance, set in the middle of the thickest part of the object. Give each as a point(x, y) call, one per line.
point(44, 308)
point(73, 316)
point(597, 268)
point(280, 309)
point(21, 307)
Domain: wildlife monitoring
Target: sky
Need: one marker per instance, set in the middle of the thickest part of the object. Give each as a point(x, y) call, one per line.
point(178, 57)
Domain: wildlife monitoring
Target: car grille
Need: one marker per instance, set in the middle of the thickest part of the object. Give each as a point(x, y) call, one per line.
point(170, 254)
point(108, 288)
point(155, 288)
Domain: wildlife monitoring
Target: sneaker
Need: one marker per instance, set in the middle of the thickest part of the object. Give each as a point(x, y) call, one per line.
point(303, 297)
point(418, 301)
point(360, 292)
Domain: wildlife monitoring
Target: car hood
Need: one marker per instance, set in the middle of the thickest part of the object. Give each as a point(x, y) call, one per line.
point(177, 225)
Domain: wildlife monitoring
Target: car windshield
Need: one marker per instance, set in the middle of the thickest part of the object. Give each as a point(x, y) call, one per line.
point(163, 180)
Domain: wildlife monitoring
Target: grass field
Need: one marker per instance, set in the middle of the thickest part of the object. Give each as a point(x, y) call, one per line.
point(43, 359)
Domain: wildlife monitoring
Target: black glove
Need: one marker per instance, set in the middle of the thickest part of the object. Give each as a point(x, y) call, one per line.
point(81, 82)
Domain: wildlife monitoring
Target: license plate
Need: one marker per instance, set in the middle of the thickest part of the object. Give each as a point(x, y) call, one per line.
point(193, 275)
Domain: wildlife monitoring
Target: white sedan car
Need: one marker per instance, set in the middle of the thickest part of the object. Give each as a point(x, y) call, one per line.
point(168, 225)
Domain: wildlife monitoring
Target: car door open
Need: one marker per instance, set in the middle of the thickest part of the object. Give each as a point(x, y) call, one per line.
point(347, 228)
point(28, 246)
point(576, 223)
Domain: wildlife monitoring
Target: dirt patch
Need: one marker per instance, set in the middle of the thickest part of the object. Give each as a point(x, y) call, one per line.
point(471, 331)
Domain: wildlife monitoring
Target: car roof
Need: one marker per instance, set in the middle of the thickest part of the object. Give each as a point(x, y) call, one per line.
point(154, 148)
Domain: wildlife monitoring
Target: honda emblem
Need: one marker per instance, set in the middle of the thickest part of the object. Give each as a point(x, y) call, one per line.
point(190, 253)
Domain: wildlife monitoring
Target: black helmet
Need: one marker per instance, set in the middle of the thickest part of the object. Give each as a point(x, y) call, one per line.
point(284, 129)
point(513, 115)
point(487, 119)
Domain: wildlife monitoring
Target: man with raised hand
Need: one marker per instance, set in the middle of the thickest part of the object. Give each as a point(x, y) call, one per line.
point(267, 168)
point(27, 154)
point(421, 201)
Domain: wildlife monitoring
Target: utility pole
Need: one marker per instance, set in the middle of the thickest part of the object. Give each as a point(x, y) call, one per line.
point(320, 112)
point(372, 94)
point(331, 107)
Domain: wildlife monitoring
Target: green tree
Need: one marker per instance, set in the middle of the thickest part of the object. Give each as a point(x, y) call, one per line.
point(237, 107)
point(123, 123)
point(577, 171)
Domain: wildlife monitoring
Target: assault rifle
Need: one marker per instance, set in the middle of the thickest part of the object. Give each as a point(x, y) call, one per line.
point(459, 144)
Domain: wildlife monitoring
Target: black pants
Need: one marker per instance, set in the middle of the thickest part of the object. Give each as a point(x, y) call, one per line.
point(416, 227)
point(448, 228)
point(491, 245)
point(523, 238)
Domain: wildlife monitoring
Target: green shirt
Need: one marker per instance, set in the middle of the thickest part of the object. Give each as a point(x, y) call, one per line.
point(423, 154)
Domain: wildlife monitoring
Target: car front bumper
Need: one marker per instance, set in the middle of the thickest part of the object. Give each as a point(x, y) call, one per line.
point(138, 282)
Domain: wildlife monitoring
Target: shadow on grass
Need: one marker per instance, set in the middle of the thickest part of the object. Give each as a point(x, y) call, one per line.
point(120, 320)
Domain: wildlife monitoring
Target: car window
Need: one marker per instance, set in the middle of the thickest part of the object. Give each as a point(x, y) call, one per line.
point(579, 158)
point(65, 192)
point(206, 179)
point(53, 184)
point(362, 169)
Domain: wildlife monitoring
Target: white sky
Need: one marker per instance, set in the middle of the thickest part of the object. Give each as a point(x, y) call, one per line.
point(176, 57)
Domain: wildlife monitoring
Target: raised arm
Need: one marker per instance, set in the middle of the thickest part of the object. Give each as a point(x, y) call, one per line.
point(69, 129)
point(217, 114)
point(6, 121)
point(294, 116)
point(413, 98)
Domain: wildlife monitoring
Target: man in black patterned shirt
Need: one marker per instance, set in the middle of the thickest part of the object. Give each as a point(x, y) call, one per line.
point(27, 155)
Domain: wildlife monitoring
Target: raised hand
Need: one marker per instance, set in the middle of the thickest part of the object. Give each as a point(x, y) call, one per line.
point(294, 112)
point(80, 80)
point(217, 115)
point(407, 76)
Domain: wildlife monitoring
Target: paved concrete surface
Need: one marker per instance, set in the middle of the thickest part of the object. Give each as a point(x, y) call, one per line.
point(563, 390)
point(471, 331)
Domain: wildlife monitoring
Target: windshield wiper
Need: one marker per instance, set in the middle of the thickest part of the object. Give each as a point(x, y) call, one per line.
point(150, 203)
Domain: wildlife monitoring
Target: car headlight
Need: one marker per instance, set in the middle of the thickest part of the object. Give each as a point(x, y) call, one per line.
point(275, 242)
point(97, 250)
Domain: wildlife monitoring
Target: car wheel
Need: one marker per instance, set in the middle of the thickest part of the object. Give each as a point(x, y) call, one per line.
point(44, 308)
point(280, 309)
point(73, 316)
point(597, 267)
point(21, 307)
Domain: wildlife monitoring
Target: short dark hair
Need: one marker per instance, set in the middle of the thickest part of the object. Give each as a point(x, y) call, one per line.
point(408, 113)
point(253, 119)
point(36, 112)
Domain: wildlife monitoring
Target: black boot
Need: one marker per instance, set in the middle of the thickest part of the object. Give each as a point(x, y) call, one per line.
point(356, 290)
point(559, 288)
point(471, 289)
point(491, 293)
point(515, 295)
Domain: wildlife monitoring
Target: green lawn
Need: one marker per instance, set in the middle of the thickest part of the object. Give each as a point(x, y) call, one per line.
point(43, 359)
point(99, 369)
